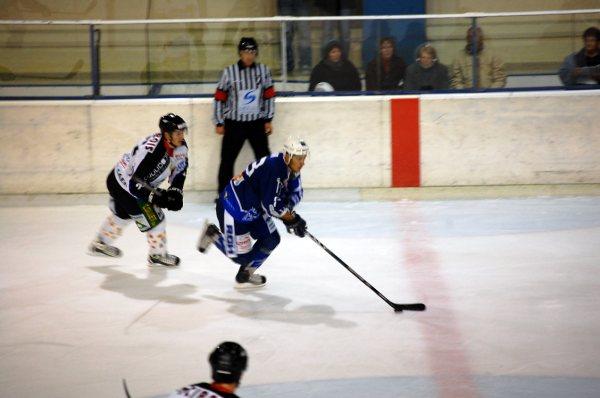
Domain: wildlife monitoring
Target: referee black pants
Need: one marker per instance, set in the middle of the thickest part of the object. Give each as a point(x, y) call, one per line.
point(236, 134)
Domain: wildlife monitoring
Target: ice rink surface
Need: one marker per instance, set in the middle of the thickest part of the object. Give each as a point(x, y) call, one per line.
point(512, 288)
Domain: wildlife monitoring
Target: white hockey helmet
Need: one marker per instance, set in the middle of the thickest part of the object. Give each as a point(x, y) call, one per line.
point(295, 146)
point(324, 87)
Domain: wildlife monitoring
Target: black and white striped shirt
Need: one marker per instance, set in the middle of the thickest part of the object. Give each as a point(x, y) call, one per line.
point(244, 94)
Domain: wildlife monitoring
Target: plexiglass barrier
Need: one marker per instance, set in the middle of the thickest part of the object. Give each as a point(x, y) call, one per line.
point(306, 55)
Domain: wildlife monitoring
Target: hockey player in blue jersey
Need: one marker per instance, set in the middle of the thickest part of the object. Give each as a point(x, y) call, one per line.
point(269, 187)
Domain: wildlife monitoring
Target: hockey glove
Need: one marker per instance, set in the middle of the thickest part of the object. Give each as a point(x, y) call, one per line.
point(174, 199)
point(159, 198)
point(296, 226)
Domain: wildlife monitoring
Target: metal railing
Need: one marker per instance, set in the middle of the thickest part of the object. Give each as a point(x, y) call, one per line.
point(94, 33)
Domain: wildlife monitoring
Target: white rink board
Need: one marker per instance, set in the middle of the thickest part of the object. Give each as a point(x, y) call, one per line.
point(519, 140)
point(466, 139)
point(70, 147)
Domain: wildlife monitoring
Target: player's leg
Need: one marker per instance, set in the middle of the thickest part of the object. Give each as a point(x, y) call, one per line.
point(267, 239)
point(109, 231)
point(119, 204)
point(235, 241)
point(210, 232)
point(151, 220)
point(259, 141)
point(233, 141)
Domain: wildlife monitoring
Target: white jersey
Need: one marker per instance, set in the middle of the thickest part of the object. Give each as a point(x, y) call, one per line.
point(150, 163)
point(200, 390)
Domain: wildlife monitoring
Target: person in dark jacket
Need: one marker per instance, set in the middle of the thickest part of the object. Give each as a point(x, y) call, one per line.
point(583, 67)
point(426, 73)
point(336, 70)
point(385, 72)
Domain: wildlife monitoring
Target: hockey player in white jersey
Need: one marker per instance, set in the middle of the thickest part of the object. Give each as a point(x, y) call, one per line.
point(133, 185)
point(228, 361)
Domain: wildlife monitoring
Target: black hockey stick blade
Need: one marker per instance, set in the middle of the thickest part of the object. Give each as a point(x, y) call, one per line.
point(409, 307)
point(126, 389)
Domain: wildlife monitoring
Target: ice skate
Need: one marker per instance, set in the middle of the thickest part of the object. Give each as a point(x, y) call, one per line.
point(248, 279)
point(209, 235)
point(97, 248)
point(168, 260)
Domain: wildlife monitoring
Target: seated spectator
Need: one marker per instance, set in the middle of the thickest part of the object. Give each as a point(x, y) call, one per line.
point(583, 67)
point(490, 70)
point(426, 73)
point(336, 70)
point(386, 71)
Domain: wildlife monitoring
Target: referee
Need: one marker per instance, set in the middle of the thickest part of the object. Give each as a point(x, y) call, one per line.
point(243, 108)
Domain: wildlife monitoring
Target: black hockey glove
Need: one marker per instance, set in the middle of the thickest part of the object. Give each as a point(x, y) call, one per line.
point(174, 199)
point(296, 226)
point(159, 198)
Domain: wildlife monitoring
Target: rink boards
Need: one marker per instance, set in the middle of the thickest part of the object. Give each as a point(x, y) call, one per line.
point(356, 142)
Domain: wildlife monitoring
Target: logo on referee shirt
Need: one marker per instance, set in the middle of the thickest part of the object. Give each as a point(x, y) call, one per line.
point(249, 97)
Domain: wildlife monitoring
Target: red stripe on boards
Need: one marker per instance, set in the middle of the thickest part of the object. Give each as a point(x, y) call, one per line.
point(406, 170)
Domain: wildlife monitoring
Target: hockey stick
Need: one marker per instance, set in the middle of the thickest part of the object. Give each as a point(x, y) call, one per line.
point(397, 307)
point(68, 76)
point(126, 389)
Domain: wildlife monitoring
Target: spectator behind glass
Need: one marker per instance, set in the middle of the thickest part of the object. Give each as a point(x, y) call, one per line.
point(330, 28)
point(583, 67)
point(336, 70)
point(386, 71)
point(490, 69)
point(426, 73)
point(297, 8)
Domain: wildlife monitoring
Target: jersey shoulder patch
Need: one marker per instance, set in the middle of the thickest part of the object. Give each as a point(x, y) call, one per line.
point(152, 141)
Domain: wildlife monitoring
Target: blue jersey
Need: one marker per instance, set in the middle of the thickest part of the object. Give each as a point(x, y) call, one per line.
point(267, 186)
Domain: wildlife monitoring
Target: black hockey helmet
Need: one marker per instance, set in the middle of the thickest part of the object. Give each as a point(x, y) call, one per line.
point(171, 122)
point(228, 362)
point(248, 43)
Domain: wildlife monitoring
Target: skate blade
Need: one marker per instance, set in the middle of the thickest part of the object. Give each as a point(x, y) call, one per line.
point(160, 265)
point(102, 254)
point(248, 286)
point(202, 233)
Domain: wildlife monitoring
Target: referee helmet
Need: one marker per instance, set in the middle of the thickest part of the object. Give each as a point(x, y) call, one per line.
point(248, 44)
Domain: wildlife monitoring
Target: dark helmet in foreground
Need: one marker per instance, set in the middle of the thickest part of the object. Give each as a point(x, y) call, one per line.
point(171, 122)
point(248, 44)
point(228, 362)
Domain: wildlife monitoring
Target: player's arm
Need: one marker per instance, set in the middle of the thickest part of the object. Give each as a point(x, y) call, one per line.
point(278, 207)
point(138, 186)
point(141, 189)
point(177, 181)
point(221, 95)
point(179, 172)
point(294, 191)
point(273, 191)
point(268, 94)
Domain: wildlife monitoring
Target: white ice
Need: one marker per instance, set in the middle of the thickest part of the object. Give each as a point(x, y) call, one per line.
point(512, 288)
